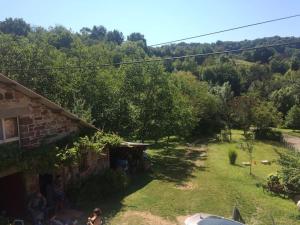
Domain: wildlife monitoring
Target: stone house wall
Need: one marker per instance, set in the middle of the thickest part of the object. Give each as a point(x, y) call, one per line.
point(38, 124)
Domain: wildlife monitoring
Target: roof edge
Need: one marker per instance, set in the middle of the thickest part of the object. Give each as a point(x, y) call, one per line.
point(43, 100)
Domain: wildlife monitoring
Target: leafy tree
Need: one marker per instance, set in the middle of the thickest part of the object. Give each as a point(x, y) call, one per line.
point(265, 115)
point(242, 111)
point(81, 110)
point(290, 171)
point(85, 31)
point(137, 37)
point(190, 103)
point(115, 36)
point(278, 66)
point(263, 55)
point(295, 61)
point(60, 37)
point(295, 64)
point(98, 32)
point(248, 146)
point(15, 26)
point(292, 120)
point(283, 98)
point(251, 75)
point(225, 95)
point(195, 96)
point(222, 73)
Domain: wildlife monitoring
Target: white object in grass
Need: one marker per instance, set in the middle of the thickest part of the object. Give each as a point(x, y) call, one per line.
point(265, 162)
point(298, 205)
point(246, 163)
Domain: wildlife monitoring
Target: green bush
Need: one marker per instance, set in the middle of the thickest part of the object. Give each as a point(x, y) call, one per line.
point(274, 184)
point(268, 134)
point(232, 155)
point(292, 119)
point(290, 171)
point(273, 178)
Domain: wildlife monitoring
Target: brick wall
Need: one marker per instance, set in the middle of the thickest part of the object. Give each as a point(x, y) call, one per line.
point(37, 123)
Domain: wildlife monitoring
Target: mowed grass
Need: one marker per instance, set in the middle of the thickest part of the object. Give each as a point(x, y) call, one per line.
point(183, 183)
point(291, 132)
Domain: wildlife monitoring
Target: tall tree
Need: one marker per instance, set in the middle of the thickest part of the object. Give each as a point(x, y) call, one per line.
point(137, 37)
point(15, 26)
point(115, 36)
point(98, 32)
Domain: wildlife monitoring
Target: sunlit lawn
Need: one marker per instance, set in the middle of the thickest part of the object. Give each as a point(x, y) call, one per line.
point(213, 187)
point(291, 132)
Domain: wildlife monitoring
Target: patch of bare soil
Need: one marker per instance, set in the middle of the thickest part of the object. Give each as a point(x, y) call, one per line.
point(295, 141)
point(199, 163)
point(142, 218)
point(181, 219)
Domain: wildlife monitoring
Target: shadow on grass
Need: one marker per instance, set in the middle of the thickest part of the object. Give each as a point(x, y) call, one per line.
point(112, 204)
point(237, 165)
point(169, 163)
point(176, 165)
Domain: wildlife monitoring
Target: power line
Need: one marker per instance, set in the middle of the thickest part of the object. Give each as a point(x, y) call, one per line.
point(226, 30)
point(156, 59)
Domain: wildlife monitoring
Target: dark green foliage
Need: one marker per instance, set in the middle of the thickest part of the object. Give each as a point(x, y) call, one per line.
point(98, 32)
point(274, 184)
point(263, 55)
point(60, 37)
point(278, 66)
point(137, 37)
point(265, 115)
point(293, 118)
point(98, 187)
point(232, 155)
point(242, 111)
point(115, 36)
point(284, 99)
point(9, 154)
point(295, 64)
point(15, 26)
point(143, 101)
point(223, 73)
point(64, 152)
point(268, 134)
point(290, 171)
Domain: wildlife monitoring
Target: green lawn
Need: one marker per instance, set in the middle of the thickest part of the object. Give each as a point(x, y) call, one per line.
point(291, 132)
point(182, 184)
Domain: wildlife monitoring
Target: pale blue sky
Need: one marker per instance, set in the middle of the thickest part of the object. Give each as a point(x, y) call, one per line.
point(162, 20)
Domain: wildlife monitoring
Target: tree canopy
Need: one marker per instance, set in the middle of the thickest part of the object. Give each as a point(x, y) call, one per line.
point(191, 96)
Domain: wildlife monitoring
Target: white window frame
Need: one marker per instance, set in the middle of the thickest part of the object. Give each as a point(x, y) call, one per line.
point(5, 140)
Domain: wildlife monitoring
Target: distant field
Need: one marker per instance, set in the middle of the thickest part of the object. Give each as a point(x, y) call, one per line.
point(243, 62)
point(183, 183)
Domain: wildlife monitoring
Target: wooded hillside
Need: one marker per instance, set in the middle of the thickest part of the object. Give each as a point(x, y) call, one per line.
point(197, 95)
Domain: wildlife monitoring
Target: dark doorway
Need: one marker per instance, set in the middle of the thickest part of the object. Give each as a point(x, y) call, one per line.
point(12, 195)
point(45, 180)
point(46, 189)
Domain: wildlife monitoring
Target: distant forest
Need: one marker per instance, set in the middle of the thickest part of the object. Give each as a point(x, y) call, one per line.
point(183, 97)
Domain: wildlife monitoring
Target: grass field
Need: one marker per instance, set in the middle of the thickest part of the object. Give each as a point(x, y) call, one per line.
point(183, 183)
point(291, 132)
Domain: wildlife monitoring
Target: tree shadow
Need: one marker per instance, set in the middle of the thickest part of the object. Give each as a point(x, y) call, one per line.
point(238, 165)
point(113, 204)
point(169, 163)
point(176, 165)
